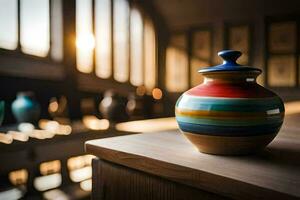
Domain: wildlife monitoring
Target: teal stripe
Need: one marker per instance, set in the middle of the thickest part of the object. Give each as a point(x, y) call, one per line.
point(235, 122)
point(229, 104)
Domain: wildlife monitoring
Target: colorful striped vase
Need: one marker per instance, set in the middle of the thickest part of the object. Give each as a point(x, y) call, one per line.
point(229, 114)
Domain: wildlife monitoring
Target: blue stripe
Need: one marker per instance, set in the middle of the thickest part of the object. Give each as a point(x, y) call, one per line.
point(229, 130)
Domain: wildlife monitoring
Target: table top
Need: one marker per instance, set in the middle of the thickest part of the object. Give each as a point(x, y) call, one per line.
point(273, 173)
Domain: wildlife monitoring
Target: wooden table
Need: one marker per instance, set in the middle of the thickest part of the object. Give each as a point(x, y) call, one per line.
point(164, 165)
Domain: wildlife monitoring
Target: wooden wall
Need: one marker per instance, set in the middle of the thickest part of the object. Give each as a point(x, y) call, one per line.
point(20, 72)
point(182, 16)
point(169, 16)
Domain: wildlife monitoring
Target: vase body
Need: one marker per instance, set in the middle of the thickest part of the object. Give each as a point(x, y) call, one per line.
point(229, 114)
point(25, 108)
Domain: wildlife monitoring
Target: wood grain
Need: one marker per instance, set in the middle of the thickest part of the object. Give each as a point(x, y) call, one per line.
point(271, 174)
point(112, 182)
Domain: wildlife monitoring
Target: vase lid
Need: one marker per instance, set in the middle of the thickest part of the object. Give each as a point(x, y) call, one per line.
point(229, 64)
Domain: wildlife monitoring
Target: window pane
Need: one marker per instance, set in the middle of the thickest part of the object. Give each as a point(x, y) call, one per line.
point(176, 70)
point(196, 65)
point(150, 55)
point(103, 38)
point(35, 36)
point(136, 48)
point(238, 38)
point(201, 46)
point(56, 30)
point(8, 24)
point(85, 42)
point(121, 43)
point(283, 66)
point(179, 41)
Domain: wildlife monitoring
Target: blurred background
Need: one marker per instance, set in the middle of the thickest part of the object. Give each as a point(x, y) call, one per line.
point(75, 70)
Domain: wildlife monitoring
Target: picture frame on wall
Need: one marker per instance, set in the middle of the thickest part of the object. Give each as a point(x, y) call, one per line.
point(282, 51)
point(281, 71)
point(201, 43)
point(282, 37)
point(238, 37)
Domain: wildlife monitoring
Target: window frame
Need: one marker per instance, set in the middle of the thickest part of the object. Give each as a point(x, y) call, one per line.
point(19, 64)
point(91, 82)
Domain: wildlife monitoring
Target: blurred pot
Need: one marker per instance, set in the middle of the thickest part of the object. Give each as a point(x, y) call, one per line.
point(25, 108)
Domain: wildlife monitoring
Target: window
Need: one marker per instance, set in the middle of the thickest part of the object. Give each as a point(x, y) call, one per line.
point(34, 27)
point(9, 24)
point(195, 65)
point(56, 30)
point(176, 70)
point(150, 72)
point(124, 41)
point(177, 64)
point(121, 40)
point(201, 53)
point(136, 50)
point(184, 59)
point(35, 35)
point(103, 38)
point(85, 42)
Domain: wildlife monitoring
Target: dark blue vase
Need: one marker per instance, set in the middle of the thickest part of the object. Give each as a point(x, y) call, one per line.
point(25, 108)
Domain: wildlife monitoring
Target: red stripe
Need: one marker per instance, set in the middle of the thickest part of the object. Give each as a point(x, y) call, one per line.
point(231, 90)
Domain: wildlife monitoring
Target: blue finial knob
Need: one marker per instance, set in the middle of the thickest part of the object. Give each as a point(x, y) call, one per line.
point(229, 56)
point(229, 64)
